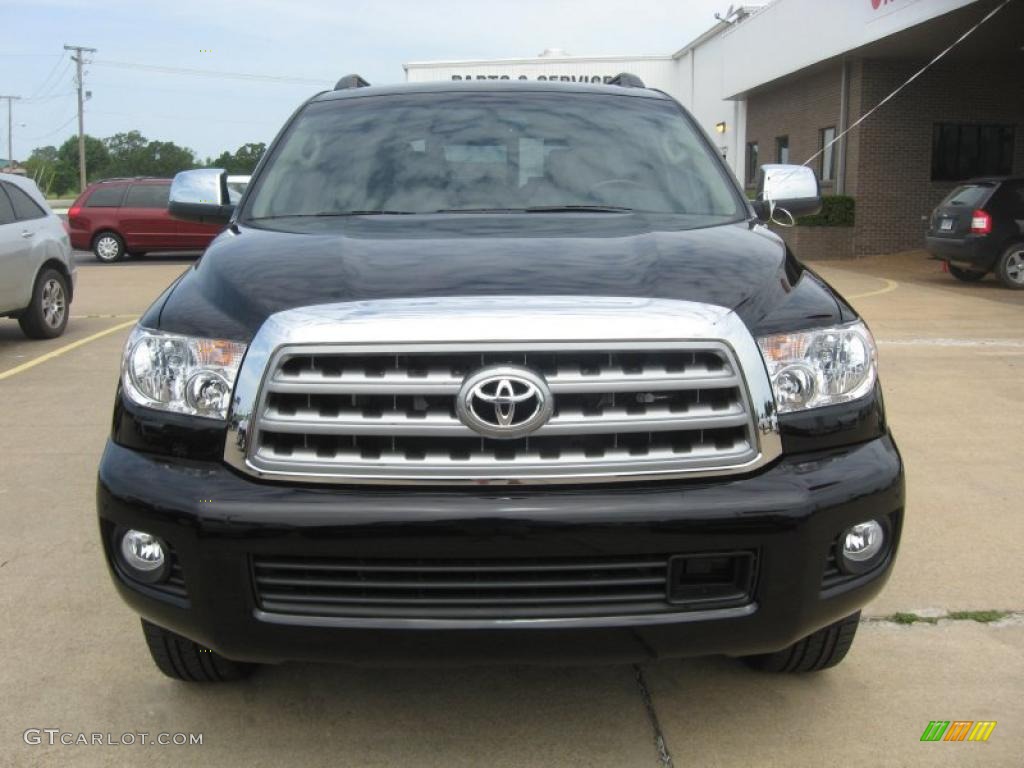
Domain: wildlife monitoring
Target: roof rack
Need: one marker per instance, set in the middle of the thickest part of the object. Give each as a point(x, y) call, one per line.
point(350, 81)
point(627, 80)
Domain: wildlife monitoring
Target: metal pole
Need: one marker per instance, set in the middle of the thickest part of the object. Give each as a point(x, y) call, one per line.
point(79, 62)
point(10, 128)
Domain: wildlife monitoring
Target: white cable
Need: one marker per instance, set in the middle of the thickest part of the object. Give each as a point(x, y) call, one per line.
point(911, 79)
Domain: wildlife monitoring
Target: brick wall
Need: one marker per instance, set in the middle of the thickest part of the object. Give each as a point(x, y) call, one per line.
point(799, 108)
point(888, 165)
point(817, 243)
point(895, 191)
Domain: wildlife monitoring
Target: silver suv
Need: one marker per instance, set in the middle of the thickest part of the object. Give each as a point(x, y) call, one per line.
point(37, 275)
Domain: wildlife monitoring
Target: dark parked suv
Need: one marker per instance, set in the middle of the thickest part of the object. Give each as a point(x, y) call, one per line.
point(119, 217)
point(497, 370)
point(979, 228)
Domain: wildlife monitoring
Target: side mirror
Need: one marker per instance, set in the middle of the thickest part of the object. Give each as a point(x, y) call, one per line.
point(201, 195)
point(791, 188)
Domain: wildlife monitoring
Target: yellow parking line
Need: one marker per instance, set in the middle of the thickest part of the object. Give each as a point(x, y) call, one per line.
point(890, 285)
point(61, 350)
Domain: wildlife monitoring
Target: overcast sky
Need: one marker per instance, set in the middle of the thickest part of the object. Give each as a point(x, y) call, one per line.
point(315, 39)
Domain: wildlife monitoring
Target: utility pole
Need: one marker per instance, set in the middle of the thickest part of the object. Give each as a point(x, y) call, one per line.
point(79, 62)
point(10, 128)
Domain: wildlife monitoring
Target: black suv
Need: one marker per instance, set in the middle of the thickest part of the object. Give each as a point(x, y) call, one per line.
point(979, 228)
point(497, 371)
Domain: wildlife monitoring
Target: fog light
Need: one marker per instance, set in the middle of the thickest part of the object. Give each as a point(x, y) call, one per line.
point(861, 546)
point(143, 555)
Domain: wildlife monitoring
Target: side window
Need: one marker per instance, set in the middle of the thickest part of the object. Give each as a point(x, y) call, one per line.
point(107, 196)
point(148, 196)
point(1013, 192)
point(6, 209)
point(25, 208)
point(782, 149)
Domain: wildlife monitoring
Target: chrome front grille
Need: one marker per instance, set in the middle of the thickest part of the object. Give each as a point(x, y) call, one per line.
point(633, 409)
point(358, 394)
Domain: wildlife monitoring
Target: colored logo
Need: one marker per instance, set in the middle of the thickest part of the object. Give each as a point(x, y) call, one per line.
point(958, 730)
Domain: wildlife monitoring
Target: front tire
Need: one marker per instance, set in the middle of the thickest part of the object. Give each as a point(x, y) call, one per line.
point(819, 650)
point(47, 316)
point(965, 275)
point(1010, 268)
point(108, 247)
point(183, 659)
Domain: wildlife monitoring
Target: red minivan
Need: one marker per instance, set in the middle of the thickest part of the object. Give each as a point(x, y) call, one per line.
point(115, 217)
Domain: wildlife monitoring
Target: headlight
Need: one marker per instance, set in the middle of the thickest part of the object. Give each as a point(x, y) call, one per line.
point(180, 374)
point(820, 367)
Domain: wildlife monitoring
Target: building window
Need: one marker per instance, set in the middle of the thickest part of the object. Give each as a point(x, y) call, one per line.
point(782, 149)
point(752, 164)
point(827, 158)
point(964, 151)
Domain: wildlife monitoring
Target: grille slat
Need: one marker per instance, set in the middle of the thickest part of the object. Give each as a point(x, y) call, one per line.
point(334, 411)
point(462, 588)
point(440, 381)
point(313, 421)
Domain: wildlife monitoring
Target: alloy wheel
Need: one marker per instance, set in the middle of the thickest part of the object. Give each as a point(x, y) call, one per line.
point(107, 248)
point(54, 304)
point(1015, 267)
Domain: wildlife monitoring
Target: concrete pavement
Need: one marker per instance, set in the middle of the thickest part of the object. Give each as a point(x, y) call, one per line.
point(73, 656)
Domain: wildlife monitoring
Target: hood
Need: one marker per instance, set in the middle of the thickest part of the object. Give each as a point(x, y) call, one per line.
point(248, 274)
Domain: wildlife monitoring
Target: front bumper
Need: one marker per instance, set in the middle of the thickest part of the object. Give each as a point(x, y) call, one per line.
point(217, 520)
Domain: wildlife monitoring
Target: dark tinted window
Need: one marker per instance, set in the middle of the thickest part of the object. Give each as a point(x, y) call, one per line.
point(506, 151)
point(25, 207)
point(6, 209)
point(963, 151)
point(1012, 195)
point(147, 196)
point(782, 149)
point(106, 196)
point(968, 195)
point(752, 163)
point(827, 158)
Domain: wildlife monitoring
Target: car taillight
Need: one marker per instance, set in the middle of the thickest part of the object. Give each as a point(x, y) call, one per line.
point(73, 211)
point(981, 223)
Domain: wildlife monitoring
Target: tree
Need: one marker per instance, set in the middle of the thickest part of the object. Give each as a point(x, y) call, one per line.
point(42, 166)
point(127, 154)
point(126, 151)
point(243, 161)
point(96, 161)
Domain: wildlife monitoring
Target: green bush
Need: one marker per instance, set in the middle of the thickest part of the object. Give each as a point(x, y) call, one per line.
point(836, 211)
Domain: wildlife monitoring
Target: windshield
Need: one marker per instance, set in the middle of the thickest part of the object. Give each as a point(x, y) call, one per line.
point(450, 152)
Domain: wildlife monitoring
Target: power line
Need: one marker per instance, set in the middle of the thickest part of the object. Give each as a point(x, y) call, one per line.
point(50, 90)
point(212, 73)
point(46, 80)
point(55, 130)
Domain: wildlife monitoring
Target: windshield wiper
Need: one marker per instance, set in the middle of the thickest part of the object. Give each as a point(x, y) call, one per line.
point(331, 214)
point(581, 208)
point(543, 209)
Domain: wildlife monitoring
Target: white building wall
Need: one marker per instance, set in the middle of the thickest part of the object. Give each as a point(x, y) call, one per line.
point(655, 71)
point(788, 35)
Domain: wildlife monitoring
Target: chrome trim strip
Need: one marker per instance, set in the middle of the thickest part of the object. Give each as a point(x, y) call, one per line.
point(577, 622)
point(460, 324)
point(443, 425)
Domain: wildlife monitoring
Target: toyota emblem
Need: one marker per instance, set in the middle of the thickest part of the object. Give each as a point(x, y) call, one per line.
point(504, 401)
